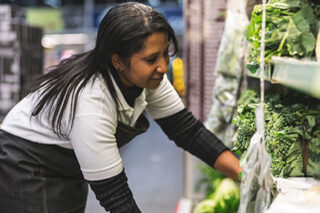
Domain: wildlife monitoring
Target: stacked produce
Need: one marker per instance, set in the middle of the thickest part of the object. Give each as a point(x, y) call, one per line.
point(291, 30)
point(292, 131)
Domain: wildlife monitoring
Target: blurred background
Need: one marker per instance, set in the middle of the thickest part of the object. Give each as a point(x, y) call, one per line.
point(35, 34)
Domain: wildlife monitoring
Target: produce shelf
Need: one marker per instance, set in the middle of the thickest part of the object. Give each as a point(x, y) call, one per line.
point(267, 74)
point(303, 76)
point(296, 195)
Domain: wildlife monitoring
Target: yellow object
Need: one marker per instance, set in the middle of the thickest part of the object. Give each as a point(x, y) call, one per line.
point(178, 79)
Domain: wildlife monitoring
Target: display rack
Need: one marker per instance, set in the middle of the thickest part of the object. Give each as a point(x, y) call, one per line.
point(303, 76)
point(295, 194)
point(267, 74)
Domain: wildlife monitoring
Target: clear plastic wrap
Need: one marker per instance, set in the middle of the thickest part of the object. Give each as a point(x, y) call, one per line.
point(256, 182)
point(232, 45)
point(229, 69)
point(256, 178)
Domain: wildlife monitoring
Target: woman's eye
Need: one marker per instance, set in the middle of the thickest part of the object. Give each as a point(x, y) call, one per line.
point(151, 60)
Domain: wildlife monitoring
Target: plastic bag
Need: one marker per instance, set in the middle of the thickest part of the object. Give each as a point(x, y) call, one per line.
point(256, 178)
point(229, 69)
point(221, 112)
point(231, 50)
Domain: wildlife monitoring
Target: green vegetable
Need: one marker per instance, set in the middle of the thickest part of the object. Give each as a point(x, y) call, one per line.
point(225, 199)
point(226, 190)
point(205, 206)
point(291, 30)
point(291, 124)
point(240, 176)
point(211, 180)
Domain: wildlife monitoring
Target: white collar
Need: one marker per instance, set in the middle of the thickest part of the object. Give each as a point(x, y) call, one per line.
point(124, 106)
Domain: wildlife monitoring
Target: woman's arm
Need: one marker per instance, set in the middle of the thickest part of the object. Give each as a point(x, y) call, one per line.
point(114, 194)
point(191, 135)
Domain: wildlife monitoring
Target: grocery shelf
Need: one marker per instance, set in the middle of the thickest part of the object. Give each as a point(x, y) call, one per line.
point(303, 76)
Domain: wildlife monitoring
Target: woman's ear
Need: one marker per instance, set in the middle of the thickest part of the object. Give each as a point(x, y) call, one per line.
point(116, 62)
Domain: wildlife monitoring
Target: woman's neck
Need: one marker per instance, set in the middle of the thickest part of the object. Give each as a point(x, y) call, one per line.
point(129, 93)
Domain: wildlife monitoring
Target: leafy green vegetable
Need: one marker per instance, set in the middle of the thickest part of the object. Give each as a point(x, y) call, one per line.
point(229, 204)
point(211, 179)
point(226, 188)
point(205, 206)
point(225, 199)
point(290, 128)
point(291, 30)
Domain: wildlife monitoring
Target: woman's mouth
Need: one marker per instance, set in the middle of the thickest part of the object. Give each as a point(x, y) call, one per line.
point(157, 79)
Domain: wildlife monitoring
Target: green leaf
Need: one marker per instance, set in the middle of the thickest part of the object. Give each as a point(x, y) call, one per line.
point(311, 121)
point(308, 42)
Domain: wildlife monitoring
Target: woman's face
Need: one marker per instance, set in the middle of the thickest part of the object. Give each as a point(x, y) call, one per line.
point(148, 66)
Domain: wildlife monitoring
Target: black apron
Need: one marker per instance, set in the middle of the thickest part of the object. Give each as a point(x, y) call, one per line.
point(125, 133)
point(41, 178)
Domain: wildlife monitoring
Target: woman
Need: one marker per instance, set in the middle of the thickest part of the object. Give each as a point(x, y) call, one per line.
point(67, 132)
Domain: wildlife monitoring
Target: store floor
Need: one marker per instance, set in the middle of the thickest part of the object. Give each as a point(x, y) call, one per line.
point(154, 166)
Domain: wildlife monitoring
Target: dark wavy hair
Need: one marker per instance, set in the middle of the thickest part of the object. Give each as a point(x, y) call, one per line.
point(122, 31)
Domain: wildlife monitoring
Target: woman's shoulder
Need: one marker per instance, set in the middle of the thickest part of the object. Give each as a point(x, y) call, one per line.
point(96, 85)
point(95, 99)
point(95, 91)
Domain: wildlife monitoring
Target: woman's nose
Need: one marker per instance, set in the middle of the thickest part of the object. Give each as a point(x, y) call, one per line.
point(163, 67)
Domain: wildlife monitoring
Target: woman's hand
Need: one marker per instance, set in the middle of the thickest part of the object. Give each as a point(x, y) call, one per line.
point(228, 165)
